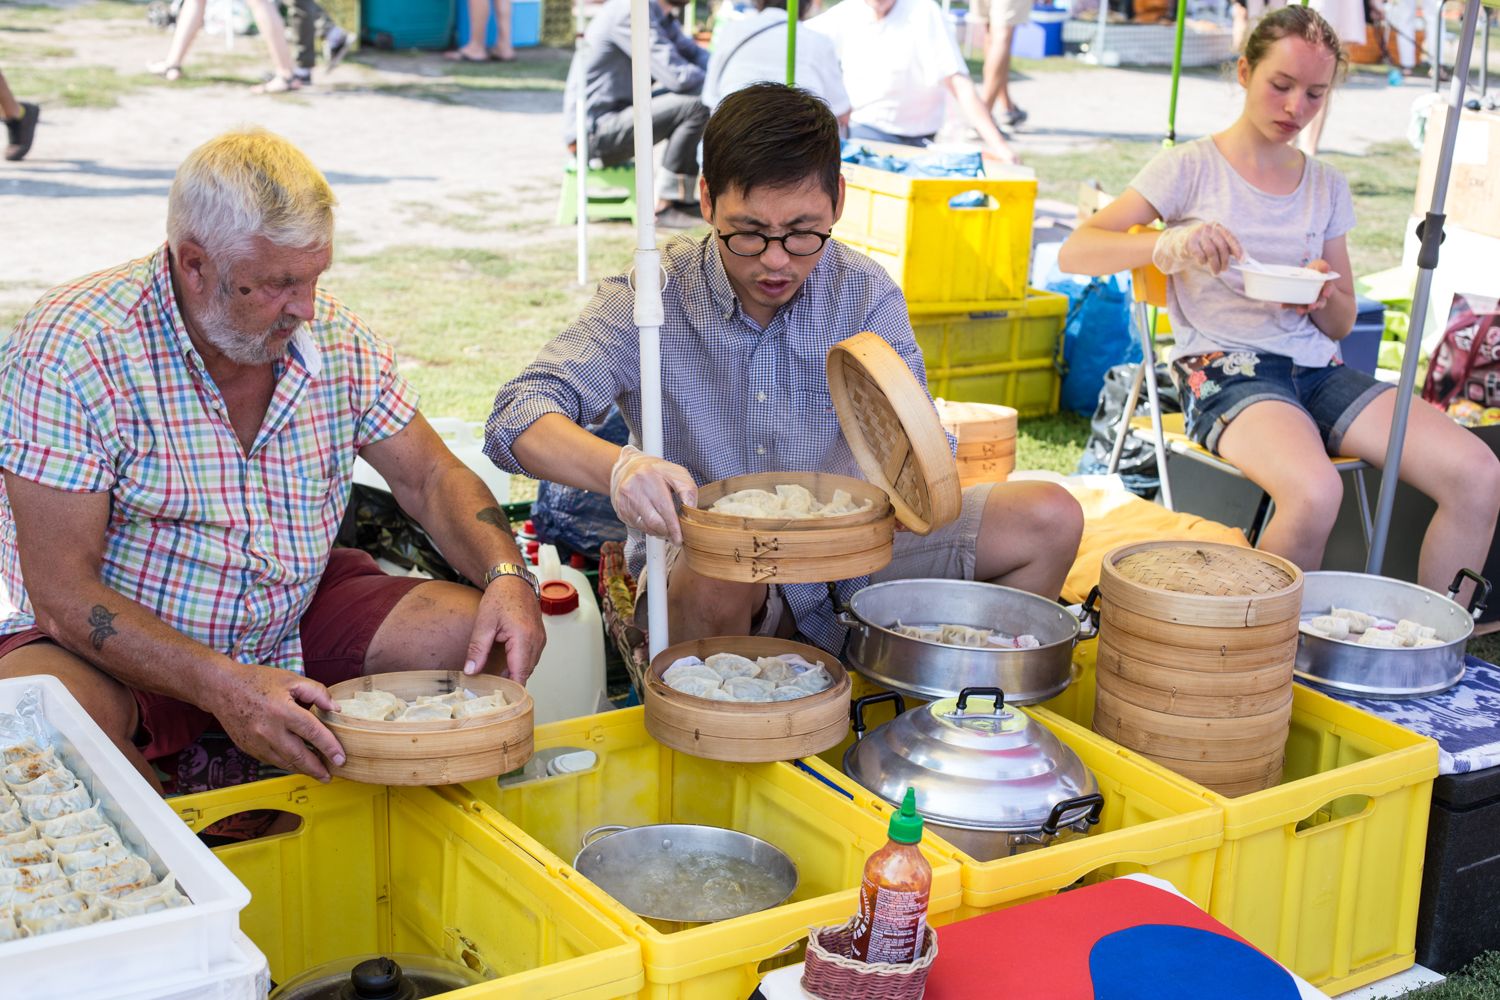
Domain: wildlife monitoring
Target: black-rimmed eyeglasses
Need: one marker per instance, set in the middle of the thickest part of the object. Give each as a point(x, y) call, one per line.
point(803, 243)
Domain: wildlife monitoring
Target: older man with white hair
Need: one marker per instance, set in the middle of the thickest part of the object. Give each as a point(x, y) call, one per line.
point(178, 441)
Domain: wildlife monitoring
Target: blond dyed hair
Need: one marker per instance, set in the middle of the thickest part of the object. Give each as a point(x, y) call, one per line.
point(248, 183)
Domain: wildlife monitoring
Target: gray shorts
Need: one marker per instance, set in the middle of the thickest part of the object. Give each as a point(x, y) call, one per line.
point(946, 554)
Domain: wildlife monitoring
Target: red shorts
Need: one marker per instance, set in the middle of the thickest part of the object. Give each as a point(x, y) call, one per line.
point(352, 600)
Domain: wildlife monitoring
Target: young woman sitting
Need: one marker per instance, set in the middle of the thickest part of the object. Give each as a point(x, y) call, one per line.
point(1262, 383)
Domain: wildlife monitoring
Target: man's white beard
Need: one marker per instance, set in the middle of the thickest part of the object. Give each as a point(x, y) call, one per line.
point(235, 344)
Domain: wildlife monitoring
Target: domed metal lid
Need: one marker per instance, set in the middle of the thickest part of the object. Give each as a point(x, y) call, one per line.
point(975, 763)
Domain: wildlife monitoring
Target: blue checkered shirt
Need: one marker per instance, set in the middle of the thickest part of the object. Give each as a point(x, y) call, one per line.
point(736, 398)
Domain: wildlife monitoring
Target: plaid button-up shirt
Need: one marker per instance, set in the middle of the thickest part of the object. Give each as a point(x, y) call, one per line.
point(736, 398)
point(104, 392)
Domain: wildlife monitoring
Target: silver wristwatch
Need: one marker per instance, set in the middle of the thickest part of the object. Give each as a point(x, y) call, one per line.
point(498, 570)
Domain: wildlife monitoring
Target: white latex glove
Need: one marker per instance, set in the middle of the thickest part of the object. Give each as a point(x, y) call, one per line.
point(642, 487)
point(1196, 244)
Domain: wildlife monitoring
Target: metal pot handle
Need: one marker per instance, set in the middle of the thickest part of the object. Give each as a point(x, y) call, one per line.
point(599, 831)
point(1094, 803)
point(1088, 613)
point(980, 692)
point(1478, 602)
point(857, 709)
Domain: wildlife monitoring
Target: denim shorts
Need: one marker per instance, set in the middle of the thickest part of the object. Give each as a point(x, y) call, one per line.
point(1216, 387)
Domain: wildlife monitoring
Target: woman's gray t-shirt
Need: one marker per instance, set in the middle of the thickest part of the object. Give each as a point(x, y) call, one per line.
point(1194, 183)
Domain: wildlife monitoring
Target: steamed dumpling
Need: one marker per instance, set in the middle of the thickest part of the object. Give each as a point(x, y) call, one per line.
point(162, 896)
point(1411, 631)
point(28, 747)
point(71, 902)
point(689, 666)
point(776, 670)
point(9, 929)
point(133, 872)
point(923, 632)
point(374, 711)
point(698, 687)
point(426, 712)
point(749, 688)
point(815, 680)
point(12, 895)
point(27, 876)
point(1358, 620)
point(789, 692)
point(728, 665)
point(719, 694)
point(84, 841)
point(50, 805)
point(60, 779)
point(31, 767)
point(1328, 626)
point(1382, 638)
point(455, 697)
point(796, 500)
point(487, 704)
point(74, 823)
point(27, 852)
point(13, 820)
point(20, 836)
point(93, 857)
point(65, 921)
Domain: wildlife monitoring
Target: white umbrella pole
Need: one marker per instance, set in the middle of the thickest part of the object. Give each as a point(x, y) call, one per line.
point(648, 308)
point(1427, 260)
point(581, 164)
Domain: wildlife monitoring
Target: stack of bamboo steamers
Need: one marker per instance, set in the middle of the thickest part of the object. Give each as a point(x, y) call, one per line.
point(1197, 643)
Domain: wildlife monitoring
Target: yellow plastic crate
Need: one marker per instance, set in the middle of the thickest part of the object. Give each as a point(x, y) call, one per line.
point(945, 259)
point(1009, 333)
point(1323, 871)
point(1150, 824)
point(408, 870)
point(638, 781)
point(1032, 388)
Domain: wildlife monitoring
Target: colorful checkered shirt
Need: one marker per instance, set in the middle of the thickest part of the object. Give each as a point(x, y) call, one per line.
point(736, 398)
point(104, 392)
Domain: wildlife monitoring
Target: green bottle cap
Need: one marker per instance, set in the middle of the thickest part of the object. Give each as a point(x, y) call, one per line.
point(906, 824)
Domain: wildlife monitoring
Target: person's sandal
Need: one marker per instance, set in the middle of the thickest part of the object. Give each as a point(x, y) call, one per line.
point(278, 85)
point(21, 131)
point(167, 71)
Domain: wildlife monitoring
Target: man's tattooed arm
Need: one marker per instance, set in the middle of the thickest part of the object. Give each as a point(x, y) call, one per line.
point(101, 624)
point(495, 516)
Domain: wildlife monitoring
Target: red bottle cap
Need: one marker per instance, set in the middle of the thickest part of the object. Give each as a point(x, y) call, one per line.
point(558, 597)
point(532, 548)
point(528, 527)
point(577, 561)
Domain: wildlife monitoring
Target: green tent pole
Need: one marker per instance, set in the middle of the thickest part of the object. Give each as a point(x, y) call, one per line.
point(791, 42)
point(1171, 139)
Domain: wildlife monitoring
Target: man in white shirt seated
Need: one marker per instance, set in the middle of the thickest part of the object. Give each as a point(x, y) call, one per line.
point(753, 50)
point(899, 64)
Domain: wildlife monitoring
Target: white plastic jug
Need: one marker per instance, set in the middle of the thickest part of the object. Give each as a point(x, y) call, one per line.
point(569, 680)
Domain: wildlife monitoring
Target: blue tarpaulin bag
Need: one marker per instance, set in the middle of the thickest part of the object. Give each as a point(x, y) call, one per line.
point(1096, 337)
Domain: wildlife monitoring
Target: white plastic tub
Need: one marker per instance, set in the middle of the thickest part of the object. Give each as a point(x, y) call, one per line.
point(121, 956)
point(1294, 286)
point(244, 977)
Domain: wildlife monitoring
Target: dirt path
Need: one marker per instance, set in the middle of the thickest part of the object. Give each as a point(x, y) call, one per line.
point(418, 155)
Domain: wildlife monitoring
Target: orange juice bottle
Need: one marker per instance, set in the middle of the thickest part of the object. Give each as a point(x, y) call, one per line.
point(892, 922)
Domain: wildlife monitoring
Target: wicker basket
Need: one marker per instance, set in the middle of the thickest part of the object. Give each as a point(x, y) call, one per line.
point(830, 974)
point(986, 436)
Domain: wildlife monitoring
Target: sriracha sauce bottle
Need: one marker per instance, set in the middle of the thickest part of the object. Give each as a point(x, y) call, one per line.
point(892, 921)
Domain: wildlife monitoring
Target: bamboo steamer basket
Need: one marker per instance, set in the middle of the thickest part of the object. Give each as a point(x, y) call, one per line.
point(782, 550)
point(747, 732)
point(436, 752)
point(986, 440)
point(893, 432)
point(1197, 647)
point(1172, 700)
point(1189, 738)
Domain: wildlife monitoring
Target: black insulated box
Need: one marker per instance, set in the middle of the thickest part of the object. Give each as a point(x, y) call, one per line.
point(1459, 915)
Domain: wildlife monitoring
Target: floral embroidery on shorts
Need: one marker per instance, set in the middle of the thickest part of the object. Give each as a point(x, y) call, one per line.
point(1237, 363)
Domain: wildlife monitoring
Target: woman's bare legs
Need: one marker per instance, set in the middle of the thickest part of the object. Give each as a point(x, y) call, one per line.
point(189, 23)
point(273, 29)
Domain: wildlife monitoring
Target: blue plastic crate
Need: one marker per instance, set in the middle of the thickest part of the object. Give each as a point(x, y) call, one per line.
point(1042, 36)
point(407, 24)
point(525, 24)
point(1361, 348)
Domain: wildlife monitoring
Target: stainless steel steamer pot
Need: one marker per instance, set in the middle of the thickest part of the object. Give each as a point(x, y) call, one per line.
point(930, 670)
point(1379, 672)
point(990, 780)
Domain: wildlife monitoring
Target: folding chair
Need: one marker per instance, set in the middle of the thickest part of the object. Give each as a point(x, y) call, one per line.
point(1149, 289)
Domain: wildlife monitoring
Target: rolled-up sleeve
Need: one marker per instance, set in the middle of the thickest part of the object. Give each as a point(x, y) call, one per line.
point(49, 434)
point(580, 374)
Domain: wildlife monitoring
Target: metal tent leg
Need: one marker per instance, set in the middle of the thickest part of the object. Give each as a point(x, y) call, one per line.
point(1362, 494)
point(1148, 370)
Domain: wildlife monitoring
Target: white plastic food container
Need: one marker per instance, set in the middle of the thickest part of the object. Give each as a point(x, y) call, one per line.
point(1294, 286)
point(117, 957)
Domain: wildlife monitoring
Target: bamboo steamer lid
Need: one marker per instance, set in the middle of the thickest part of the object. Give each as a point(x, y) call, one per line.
point(893, 431)
point(750, 732)
point(439, 751)
point(1200, 583)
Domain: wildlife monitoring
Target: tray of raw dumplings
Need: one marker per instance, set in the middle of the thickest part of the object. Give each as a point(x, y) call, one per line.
point(1348, 625)
point(747, 698)
point(102, 886)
